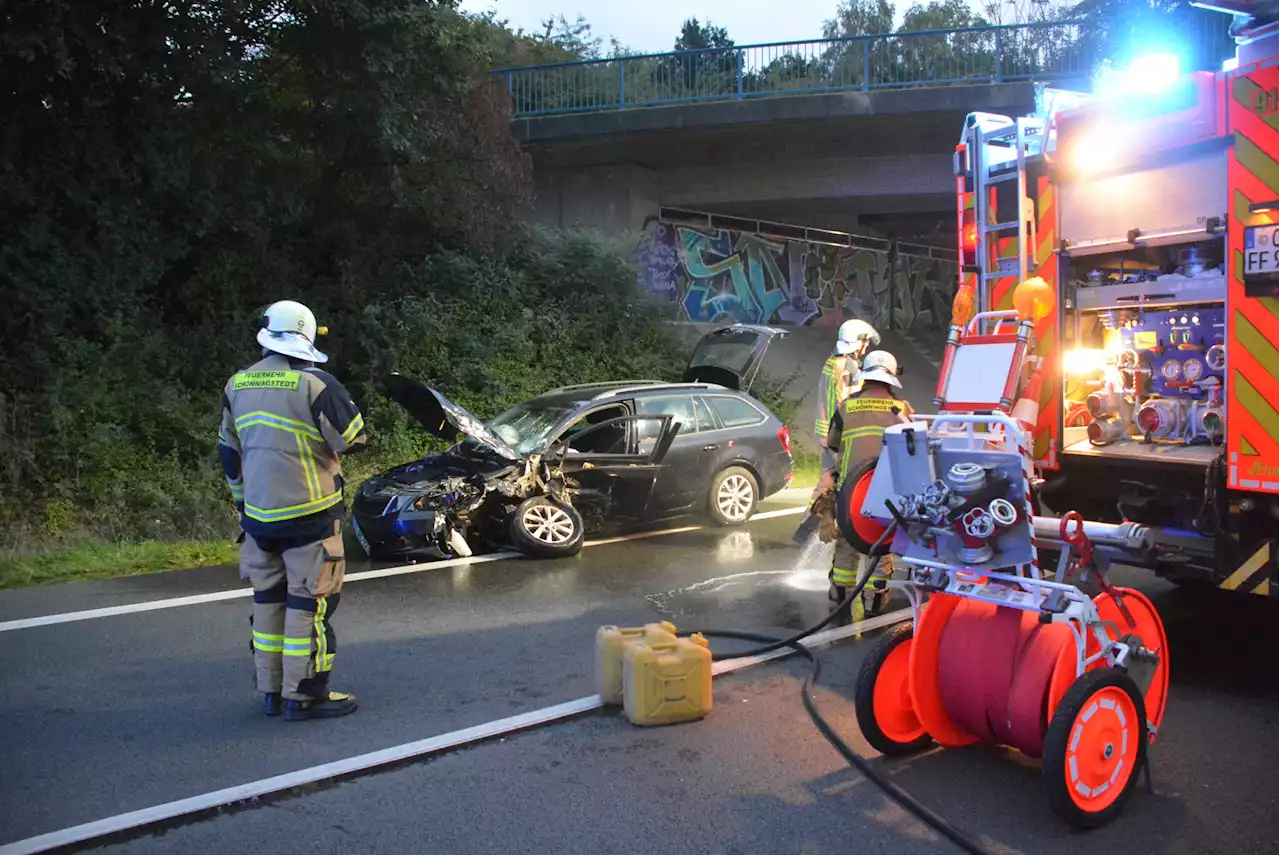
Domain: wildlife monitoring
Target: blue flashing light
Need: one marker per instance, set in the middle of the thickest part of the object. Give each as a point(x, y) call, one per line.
point(1155, 72)
point(1147, 74)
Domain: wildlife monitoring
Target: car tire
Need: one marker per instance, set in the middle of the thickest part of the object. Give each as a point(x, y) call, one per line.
point(733, 496)
point(541, 527)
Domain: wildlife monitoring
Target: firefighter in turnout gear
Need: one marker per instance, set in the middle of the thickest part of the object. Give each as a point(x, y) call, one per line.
point(284, 423)
point(857, 432)
point(839, 381)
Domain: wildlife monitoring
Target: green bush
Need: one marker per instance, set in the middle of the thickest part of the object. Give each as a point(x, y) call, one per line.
point(127, 448)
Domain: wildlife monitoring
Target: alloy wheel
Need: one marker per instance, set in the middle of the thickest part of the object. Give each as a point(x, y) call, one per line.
point(734, 498)
point(548, 524)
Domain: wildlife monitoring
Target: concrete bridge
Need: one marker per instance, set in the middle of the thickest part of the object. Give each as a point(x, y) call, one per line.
point(853, 134)
point(850, 134)
point(849, 161)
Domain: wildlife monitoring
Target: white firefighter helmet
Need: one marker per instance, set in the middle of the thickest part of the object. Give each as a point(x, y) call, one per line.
point(289, 328)
point(880, 366)
point(856, 336)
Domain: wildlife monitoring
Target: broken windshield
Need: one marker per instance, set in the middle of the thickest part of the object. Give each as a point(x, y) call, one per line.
point(525, 426)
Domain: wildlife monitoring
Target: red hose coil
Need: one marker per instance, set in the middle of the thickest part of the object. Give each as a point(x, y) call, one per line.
point(994, 670)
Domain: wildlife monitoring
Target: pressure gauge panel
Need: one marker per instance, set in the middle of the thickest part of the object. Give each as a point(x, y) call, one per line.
point(1172, 341)
point(1216, 357)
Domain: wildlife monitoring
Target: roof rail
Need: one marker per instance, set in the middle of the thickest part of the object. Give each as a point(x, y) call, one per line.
point(625, 389)
point(580, 386)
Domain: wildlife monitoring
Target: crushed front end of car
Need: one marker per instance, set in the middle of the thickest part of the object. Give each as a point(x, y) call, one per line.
point(458, 503)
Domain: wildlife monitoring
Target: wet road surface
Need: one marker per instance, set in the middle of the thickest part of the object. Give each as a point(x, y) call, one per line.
point(133, 710)
point(105, 716)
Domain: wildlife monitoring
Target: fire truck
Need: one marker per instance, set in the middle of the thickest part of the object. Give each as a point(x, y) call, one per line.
point(1149, 210)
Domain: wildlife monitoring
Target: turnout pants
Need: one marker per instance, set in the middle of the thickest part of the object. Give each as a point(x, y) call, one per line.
point(848, 565)
point(295, 593)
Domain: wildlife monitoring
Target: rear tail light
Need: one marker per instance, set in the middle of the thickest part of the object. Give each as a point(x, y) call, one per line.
point(784, 437)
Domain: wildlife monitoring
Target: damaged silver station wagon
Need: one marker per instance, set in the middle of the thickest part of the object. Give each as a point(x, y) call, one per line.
point(580, 459)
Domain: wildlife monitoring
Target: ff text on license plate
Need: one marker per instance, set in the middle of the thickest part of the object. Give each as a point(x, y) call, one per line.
point(1261, 249)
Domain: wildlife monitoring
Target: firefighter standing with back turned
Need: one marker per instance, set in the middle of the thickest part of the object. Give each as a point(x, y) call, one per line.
point(284, 423)
point(857, 433)
point(839, 381)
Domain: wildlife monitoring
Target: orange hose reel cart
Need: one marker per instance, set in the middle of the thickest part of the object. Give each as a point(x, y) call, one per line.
point(1000, 651)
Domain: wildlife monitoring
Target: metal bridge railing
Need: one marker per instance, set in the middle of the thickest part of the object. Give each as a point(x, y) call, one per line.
point(1044, 51)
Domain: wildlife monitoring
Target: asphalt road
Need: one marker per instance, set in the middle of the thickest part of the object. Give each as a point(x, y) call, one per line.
point(105, 716)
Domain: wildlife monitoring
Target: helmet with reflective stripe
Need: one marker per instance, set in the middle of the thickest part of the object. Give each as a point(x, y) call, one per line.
point(855, 337)
point(289, 328)
point(880, 366)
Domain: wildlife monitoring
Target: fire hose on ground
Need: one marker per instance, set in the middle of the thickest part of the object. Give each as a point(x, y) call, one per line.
point(770, 644)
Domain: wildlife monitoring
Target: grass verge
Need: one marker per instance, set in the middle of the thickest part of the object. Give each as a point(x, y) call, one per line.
point(806, 469)
point(101, 560)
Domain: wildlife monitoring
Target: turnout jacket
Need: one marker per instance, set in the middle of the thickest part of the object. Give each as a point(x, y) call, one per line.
point(857, 429)
point(837, 384)
point(284, 423)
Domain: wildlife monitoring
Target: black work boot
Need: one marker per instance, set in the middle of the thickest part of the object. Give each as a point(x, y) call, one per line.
point(272, 703)
point(332, 705)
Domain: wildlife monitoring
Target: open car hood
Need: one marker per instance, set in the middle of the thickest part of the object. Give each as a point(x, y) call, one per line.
point(443, 418)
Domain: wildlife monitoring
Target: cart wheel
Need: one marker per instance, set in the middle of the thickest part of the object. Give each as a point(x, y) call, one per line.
point(1095, 747)
point(882, 698)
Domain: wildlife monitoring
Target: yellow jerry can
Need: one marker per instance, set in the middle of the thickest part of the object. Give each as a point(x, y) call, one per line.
point(610, 643)
point(667, 682)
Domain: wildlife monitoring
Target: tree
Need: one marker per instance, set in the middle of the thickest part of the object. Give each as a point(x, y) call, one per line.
point(940, 15)
point(860, 18)
point(696, 36)
point(939, 57)
point(558, 41)
point(1121, 29)
point(713, 71)
point(169, 168)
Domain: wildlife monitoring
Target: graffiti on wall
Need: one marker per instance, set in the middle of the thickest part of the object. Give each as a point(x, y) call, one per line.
point(721, 276)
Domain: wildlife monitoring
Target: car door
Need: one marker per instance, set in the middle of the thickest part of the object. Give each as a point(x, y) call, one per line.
point(615, 477)
point(731, 356)
point(682, 480)
point(737, 438)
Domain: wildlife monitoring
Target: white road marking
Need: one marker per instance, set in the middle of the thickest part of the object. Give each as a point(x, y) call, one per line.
point(241, 593)
point(394, 754)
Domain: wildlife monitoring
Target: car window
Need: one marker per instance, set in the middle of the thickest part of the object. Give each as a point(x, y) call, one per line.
point(735, 412)
point(680, 408)
point(730, 350)
point(608, 440)
point(706, 421)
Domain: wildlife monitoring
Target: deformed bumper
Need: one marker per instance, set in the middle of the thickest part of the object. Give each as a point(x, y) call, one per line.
point(398, 534)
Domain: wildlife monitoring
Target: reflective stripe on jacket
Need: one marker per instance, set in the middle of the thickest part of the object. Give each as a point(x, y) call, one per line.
point(837, 384)
point(284, 424)
point(857, 430)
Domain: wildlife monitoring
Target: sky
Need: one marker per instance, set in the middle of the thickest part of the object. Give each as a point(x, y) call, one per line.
point(652, 26)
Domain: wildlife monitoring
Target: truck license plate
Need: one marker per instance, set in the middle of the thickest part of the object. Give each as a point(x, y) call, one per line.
point(1261, 250)
point(364, 544)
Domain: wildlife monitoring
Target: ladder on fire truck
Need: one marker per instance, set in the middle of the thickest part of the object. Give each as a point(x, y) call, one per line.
point(998, 149)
